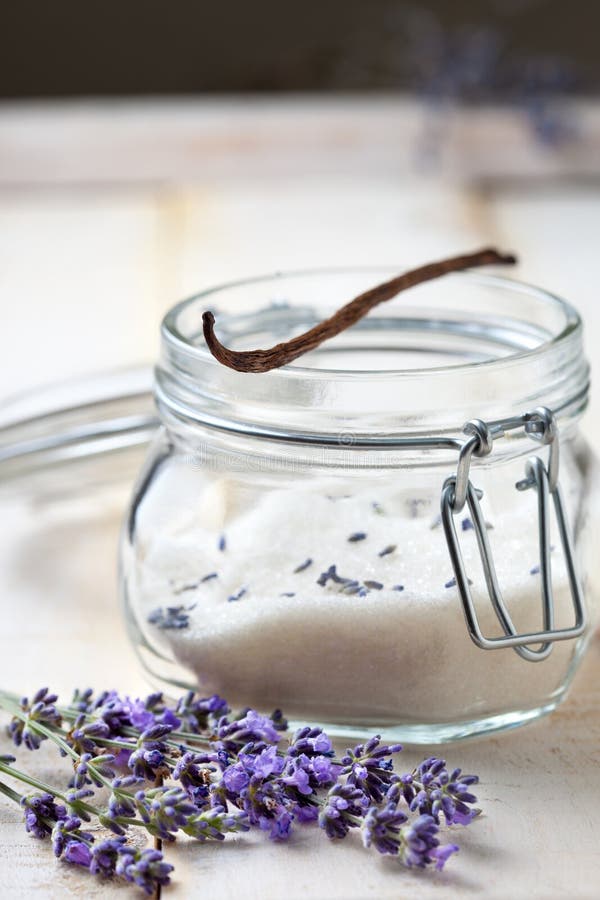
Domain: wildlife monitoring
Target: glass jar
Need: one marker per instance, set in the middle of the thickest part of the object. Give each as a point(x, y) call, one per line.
point(329, 537)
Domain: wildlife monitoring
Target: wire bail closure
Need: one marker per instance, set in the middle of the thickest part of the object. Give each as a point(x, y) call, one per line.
point(458, 491)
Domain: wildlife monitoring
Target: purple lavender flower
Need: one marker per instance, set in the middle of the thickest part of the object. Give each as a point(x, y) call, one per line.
point(146, 868)
point(82, 700)
point(369, 767)
point(381, 827)
point(41, 812)
point(184, 588)
point(306, 812)
point(344, 809)
point(310, 742)
point(143, 713)
point(113, 710)
point(193, 773)
point(40, 711)
point(280, 723)
point(419, 844)
point(165, 810)
point(148, 758)
point(124, 712)
point(104, 856)
point(431, 790)
point(303, 776)
point(452, 583)
point(249, 727)
point(152, 711)
point(77, 852)
point(387, 550)
point(296, 775)
point(442, 854)
point(84, 774)
point(214, 824)
point(254, 760)
point(171, 617)
point(119, 713)
point(266, 805)
point(277, 826)
point(331, 574)
point(235, 779)
point(269, 788)
point(197, 713)
point(82, 736)
point(76, 803)
point(324, 770)
point(120, 805)
point(301, 779)
point(66, 832)
point(264, 763)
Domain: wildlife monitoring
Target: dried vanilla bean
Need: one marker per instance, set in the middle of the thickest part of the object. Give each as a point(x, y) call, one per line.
point(347, 315)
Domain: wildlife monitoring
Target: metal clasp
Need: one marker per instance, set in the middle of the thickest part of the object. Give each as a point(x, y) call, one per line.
point(458, 490)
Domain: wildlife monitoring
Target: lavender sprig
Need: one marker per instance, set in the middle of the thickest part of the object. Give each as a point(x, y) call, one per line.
point(41, 711)
point(41, 813)
point(344, 808)
point(370, 768)
point(148, 758)
point(224, 773)
point(45, 818)
point(146, 868)
point(430, 789)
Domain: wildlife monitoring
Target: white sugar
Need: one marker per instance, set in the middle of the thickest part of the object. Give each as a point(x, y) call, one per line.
point(335, 652)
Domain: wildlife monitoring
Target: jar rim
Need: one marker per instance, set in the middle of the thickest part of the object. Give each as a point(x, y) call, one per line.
point(172, 333)
point(522, 345)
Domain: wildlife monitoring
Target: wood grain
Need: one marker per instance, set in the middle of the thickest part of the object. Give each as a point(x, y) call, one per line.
point(206, 193)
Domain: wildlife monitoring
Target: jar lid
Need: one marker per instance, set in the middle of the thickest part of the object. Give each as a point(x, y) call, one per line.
point(99, 414)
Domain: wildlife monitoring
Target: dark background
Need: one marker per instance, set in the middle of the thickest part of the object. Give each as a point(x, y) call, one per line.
point(474, 50)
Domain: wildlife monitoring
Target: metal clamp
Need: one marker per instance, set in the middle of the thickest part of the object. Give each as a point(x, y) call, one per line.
point(458, 490)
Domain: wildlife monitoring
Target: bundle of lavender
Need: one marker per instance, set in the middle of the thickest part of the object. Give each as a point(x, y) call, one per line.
point(194, 768)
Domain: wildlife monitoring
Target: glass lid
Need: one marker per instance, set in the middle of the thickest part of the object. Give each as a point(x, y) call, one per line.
point(99, 414)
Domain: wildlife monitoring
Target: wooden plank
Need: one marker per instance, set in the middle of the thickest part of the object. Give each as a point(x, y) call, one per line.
point(251, 226)
point(555, 231)
point(539, 793)
point(77, 260)
point(81, 280)
point(189, 139)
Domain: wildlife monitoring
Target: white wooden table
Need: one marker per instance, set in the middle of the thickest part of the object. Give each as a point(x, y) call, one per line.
point(110, 214)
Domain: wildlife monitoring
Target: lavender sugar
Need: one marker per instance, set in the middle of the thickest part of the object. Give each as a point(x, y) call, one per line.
point(342, 607)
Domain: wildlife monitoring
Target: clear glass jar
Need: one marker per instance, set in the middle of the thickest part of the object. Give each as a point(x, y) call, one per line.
point(284, 544)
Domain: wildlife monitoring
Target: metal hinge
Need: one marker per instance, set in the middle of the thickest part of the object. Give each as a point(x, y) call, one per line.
point(459, 491)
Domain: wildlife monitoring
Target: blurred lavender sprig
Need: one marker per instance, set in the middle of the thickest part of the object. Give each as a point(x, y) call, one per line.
point(195, 768)
point(475, 63)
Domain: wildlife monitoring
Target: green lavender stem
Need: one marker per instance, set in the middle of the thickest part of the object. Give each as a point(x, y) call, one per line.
point(8, 792)
point(71, 714)
point(55, 736)
point(34, 782)
point(48, 789)
point(52, 735)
